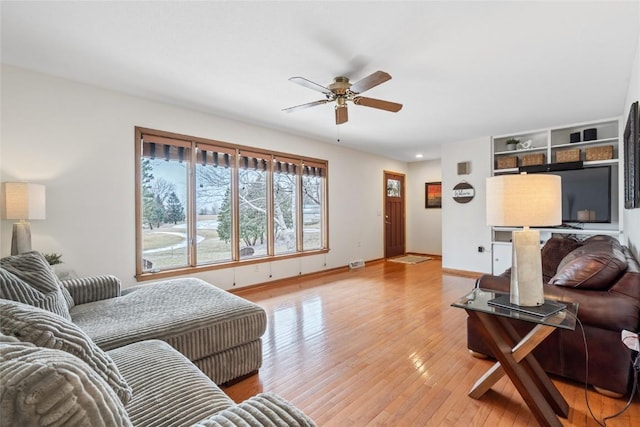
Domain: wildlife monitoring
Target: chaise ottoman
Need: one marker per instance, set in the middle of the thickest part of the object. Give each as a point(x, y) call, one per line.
point(218, 331)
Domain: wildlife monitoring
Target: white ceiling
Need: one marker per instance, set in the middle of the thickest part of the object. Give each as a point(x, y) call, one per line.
point(461, 69)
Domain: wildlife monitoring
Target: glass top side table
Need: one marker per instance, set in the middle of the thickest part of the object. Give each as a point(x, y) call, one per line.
point(514, 352)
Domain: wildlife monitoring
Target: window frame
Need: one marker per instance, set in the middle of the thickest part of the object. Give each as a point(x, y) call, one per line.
point(272, 157)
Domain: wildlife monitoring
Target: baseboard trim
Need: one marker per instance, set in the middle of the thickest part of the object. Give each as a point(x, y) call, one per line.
point(288, 281)
point(462, 273)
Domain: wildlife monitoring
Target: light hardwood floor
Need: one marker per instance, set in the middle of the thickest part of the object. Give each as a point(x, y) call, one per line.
point(381, 346)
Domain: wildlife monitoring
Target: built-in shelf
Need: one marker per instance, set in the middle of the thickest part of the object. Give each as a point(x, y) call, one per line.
point(521, 150)
point(586, 143)
point(560, 230)
point(550, 142)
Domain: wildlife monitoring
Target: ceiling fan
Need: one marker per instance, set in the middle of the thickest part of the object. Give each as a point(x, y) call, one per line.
point(342, 90)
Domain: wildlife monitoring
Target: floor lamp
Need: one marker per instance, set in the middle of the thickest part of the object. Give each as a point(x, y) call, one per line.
point(522, 201)
point(24, 202)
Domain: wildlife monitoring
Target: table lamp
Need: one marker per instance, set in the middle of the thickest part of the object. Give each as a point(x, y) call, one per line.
point(23, 201)
point(525, 201)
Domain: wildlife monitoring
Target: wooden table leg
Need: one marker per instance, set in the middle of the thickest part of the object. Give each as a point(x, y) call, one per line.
point(520, 351)
point(533, 384)
point(550, 391)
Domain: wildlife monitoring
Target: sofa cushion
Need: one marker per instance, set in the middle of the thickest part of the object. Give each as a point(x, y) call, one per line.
point(46, 329)
point(49, 387)
point(602, 238)
point(264, 410)
point(174, 392)
point(553, 252)
point(595, 266)
point(28, 278)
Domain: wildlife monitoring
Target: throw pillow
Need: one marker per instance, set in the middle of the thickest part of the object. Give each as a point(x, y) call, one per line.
point(553, 251)
point(595, 267)
point(46, 387)
point(46, 329)
point(28, 278)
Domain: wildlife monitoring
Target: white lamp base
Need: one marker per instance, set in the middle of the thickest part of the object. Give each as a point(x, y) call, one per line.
point(21, 238)
point(526, 269)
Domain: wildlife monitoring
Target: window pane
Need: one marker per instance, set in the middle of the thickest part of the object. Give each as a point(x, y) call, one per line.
point(213, 213)
point(252, 195)
point(164, 204)
point(393, 188)
point(285, 188)
point(312, 212)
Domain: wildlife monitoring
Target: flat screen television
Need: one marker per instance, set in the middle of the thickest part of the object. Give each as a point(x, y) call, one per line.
point(586, 193)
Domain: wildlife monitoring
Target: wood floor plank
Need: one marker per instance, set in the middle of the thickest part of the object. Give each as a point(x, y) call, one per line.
point(381, 346)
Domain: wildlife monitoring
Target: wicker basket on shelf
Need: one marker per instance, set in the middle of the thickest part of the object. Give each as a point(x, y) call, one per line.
point(604, 152)
point(570, 155)
point(506, 162)
point(533, 159)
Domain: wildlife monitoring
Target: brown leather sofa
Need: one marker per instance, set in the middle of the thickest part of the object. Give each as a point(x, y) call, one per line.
point(604, 278)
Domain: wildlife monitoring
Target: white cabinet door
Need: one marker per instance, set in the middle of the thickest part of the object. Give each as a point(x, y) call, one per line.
point(501, 257)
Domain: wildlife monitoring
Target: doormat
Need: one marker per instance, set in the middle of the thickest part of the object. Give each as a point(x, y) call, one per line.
point(410, 259)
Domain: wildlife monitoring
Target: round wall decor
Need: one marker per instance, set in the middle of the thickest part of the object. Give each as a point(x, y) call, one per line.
point(463, 192)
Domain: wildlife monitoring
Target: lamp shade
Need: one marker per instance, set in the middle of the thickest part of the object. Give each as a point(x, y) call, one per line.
point(24, 201)
point(524, 200)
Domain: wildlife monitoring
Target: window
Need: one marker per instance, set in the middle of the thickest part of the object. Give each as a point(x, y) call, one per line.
point(213, 204)
point(252, 205)
point(312, 206)
point(205, 204)
point(285, 205)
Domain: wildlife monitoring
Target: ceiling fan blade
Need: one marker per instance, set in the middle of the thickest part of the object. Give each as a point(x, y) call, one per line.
point(341, 114)
point(377, 103)
point(311, 85)
point(370, 81)
point(303, 106)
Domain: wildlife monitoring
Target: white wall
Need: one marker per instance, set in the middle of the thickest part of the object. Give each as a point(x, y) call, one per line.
point(78, 140)
point(464, 225)
point(424, 226)
point(632, 216)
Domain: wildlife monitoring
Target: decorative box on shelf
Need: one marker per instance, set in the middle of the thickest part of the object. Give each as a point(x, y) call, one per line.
point(570, 155)
point(533, 159)
point(604, 152)
point(506, 162)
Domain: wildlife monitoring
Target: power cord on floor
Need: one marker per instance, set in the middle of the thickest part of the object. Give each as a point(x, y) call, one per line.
point(636, 369)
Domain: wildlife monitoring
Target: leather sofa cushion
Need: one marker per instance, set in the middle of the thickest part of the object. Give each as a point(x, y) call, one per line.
point(596, 266)
point(553, 252)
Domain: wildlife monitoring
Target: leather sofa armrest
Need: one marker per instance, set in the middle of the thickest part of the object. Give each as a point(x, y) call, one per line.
point(494, 283)
point(95, 288)
point(629, 285)
point(263, 409)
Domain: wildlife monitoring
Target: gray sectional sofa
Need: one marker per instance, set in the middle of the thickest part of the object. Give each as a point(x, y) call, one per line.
point(81, 352)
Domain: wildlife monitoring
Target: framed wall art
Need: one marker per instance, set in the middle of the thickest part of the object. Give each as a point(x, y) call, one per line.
point(433, 195)
point(632, 159)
